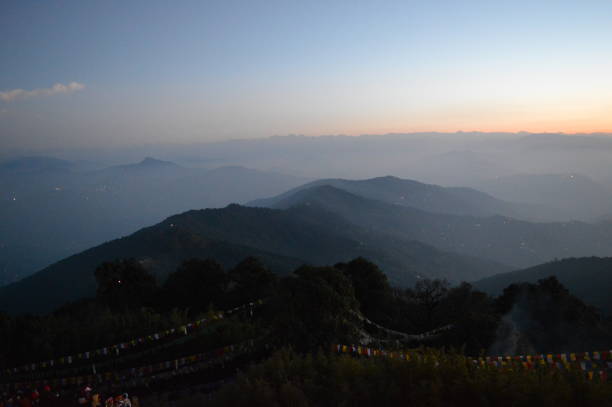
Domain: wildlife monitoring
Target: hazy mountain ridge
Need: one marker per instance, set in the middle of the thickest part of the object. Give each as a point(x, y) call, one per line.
point(572, 196)
point(470, 159)
point(426, 197)
point(56, 213)
point(508, 241)
point(438, 158)
point(34, 164)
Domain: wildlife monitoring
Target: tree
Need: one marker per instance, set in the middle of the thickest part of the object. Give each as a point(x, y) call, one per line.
point(551, 319)
point(196, 284)
point(371, 287)
point(473, 316)
point(124, 283)
point(428, 295)
point(314, 308)
point(250, 280)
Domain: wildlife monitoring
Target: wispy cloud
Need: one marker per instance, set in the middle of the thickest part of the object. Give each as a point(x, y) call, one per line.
point(14, 94)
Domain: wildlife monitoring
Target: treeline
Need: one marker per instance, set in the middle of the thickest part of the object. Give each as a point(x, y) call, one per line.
point(309, 309)
point(312, 307)
point(130, 303)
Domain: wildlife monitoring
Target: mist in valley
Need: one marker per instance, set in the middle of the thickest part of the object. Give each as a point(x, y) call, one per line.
point(57, 205)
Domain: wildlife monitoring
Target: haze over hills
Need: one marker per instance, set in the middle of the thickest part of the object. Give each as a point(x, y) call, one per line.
point(36, 165)
point(52, 208)
point(573, 196)
point(515, 243)
point(283, 238)
point(319, 222)
point(457, 159)
point(427, 197)
point(472, 159)
point(84, 207)
point(589, 278)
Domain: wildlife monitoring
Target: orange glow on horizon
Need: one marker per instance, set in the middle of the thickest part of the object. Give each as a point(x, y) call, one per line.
point(519, 123)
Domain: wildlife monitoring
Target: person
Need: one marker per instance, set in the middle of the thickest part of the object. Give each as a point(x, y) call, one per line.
point(35, 397)
point(126, 400)
point(47, 398)
point(110, 402)
point(96, 399)
point(82, 399)
point(23, 401)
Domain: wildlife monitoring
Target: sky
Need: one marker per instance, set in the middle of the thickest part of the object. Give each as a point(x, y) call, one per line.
point(89, 73)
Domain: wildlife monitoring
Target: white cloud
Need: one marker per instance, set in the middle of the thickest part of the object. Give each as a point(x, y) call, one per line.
point(13, 94)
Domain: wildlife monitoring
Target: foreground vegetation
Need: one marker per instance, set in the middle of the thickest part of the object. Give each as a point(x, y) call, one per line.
point(439, 379)
point(291, 333)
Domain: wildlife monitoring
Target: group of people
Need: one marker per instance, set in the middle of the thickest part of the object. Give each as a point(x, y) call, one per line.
point(87, 397)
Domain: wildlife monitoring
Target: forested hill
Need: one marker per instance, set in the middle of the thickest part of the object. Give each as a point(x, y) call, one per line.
point(281, 238)
point(518, 244)
point(589, 278)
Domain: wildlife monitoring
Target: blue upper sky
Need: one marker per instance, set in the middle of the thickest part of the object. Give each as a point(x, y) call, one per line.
point(88, 72)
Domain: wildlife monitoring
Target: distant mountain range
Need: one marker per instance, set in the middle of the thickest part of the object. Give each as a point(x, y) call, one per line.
point(458, 159)
point(51, 208)
point(35, 164)
point(414, 194)
point(412, 230)
point(567, 196)
point(282, 238)
point(589, 278)
point(515, 243)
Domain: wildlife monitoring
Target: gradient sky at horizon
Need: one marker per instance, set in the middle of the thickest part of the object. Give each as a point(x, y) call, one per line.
point(157, 71)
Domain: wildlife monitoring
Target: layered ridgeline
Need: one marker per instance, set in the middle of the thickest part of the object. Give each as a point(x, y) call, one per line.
point(283, 239)
point(589, 278)
point(50, 208)
point(515, 243)
point(414, 194)
point(556, 191)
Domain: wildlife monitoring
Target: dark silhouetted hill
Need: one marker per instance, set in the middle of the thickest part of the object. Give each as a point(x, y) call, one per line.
point(547, 317)
point(283, 238)
point(589, 278)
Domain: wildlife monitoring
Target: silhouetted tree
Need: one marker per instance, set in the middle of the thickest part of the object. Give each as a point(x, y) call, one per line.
point(124, 283)
point(428, 295)
point(250, 280)
point(313, 308)
point(196, 284)
point(551, 319)
point(371, 287)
